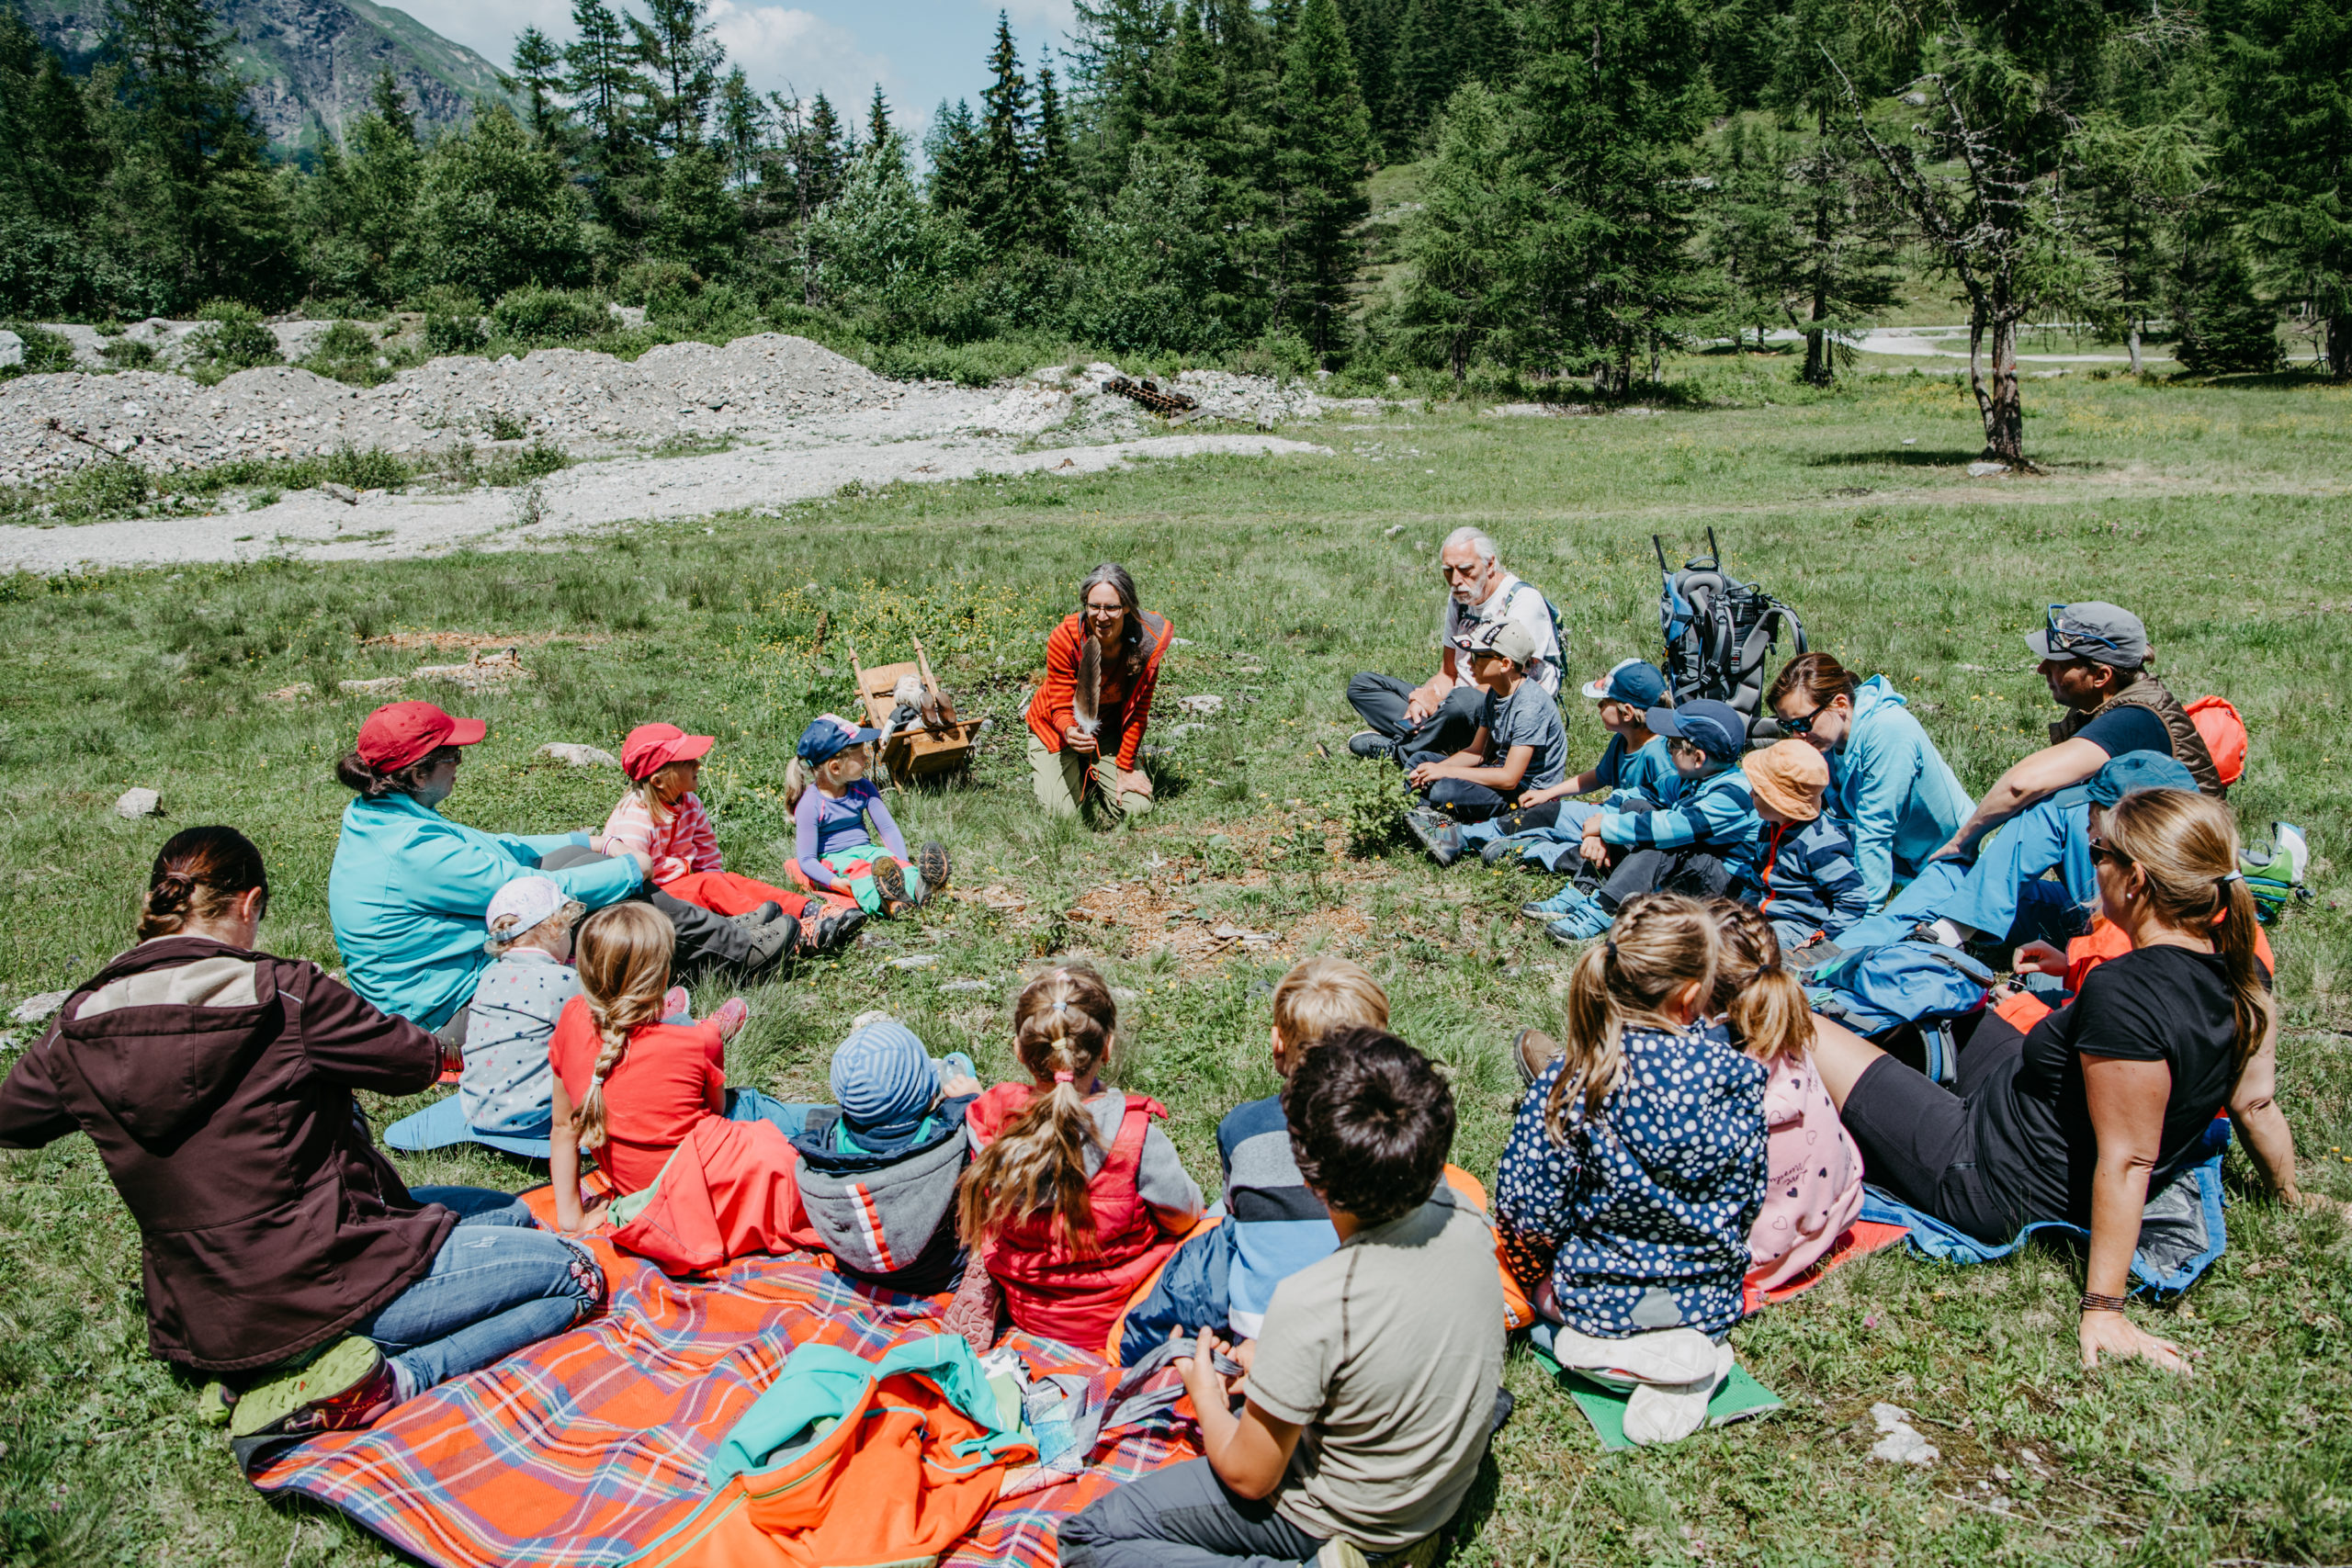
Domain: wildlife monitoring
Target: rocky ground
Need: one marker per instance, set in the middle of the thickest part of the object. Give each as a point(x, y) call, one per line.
point(793, 421)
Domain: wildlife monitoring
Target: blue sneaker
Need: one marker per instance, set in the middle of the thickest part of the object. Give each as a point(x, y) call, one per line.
point(1568, 897)
point(1581, 924)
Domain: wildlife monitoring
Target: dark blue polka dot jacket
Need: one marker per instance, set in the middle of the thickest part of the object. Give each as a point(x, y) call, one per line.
point(1640, 1221)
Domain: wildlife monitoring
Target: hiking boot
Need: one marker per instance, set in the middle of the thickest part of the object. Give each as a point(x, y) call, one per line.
point(345, 1387)
point(890, 884)
point(771, 944)
point(1533, 1051)
point(1372, 746)
point(1569, 897)
point(836, 930)
point(1498, 850)
point(936, 866)
point(765, 914)
point(1439, 834)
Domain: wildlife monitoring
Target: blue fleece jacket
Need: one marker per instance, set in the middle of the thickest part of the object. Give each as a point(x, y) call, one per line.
point(1899, 799)
point(409, 890)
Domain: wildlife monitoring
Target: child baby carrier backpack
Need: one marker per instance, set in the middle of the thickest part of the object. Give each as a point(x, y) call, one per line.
point(1719, 632)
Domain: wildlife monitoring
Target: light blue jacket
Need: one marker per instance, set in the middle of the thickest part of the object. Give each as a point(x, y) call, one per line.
point(409, 890)
point(1898, 798)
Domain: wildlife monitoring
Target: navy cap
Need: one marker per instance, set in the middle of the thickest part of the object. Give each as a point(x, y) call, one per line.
point(1636, 681)
point(2136, 771)
point(1714, 728)
point(828, 736)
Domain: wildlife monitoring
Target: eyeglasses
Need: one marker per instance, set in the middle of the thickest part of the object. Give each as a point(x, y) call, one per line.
point(2108, 855)
point(1105, 609)
point(2063, 641)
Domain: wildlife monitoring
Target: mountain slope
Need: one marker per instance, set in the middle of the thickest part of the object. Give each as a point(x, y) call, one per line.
point(312, 63)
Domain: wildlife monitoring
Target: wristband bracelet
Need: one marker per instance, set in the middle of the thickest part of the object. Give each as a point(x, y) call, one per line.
point(2093, 1302)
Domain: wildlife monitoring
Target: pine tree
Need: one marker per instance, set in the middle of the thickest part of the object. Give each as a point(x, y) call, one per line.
point(1115, 51)
point(675, 44)
point(954, 152)
point(743, 127)
point(603, 74)
point(1486, 43)
point(1052, 180)
point(1003, 203)
point(878, 118)
point(2286, 150)
point(1459, 247)
point(1322, 154)
point(56, 154)
point(1421, 74)
point(390, 101)
point(538, 68)
point(2225, 327)
point(1370, 28)
point(1607, 102)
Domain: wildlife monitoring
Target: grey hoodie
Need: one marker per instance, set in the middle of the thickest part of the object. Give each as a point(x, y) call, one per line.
point(889, 1219)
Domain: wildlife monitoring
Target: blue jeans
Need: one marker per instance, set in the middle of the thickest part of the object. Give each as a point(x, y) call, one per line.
point(1550, 845)
point(498, 1283)
point(2002, 892)
point(751, 1105)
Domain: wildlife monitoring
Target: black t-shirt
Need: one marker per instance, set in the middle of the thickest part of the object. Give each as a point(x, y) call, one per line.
point(2128, 727)
point(2035, 1146)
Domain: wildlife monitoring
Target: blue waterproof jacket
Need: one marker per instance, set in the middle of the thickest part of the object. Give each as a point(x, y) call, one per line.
point(1899, 799)
point(409, 890)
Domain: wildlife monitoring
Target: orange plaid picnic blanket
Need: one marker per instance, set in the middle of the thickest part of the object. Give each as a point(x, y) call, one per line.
point(585, 1449)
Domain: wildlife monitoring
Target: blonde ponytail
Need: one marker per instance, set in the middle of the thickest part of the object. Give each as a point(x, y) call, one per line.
point(2188, 848)
point(796, 783)
point(624, 952)
point(1062, 1029)
point(1661, 944)
point(1762, 1003)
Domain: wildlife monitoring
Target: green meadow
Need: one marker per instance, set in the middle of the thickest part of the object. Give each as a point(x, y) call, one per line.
point(2217, 513)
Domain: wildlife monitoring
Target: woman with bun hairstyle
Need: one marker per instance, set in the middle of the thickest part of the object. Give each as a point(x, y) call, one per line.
point(216, 1080)
point(1073, 1197)
point(2106, 1100)
point(1899, 799)
point(1087, 721)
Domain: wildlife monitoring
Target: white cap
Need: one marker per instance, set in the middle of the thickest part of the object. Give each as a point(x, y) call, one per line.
point(522, 904)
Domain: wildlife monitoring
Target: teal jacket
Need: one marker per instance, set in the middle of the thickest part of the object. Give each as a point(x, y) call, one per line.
point(409, 890)
point(1899, 799)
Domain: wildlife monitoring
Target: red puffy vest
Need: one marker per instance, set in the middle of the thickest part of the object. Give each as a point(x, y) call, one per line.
point(1050, 1289)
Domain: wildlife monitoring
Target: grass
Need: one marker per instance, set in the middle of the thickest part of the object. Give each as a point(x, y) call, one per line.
point(2214, 512)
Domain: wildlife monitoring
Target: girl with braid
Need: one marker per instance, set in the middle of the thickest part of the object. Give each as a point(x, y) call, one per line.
point(1074, 1198)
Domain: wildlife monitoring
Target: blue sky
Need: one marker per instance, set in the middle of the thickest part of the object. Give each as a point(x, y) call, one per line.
point(921, 50)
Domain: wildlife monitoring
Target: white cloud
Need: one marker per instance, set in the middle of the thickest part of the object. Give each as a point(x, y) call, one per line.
point(1035, 23)
point(784, 49)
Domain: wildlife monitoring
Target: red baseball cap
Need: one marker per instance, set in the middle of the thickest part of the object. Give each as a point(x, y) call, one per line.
point(400, 733)
point(652, 747)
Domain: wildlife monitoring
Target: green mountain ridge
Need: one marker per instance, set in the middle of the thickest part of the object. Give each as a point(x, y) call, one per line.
point(312, 63)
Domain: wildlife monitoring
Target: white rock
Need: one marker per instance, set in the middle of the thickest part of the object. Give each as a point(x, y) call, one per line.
point(911, 961)
point(12, 348)
point(1901, 1443)
point(342, 493)
point(1986, 470)
point(32, 1009)
point(1203, 706)
point(137, 803)
point(965, 988)
point(572, 754)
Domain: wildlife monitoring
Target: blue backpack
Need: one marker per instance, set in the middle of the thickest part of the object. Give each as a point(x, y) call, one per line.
point(1883, 988)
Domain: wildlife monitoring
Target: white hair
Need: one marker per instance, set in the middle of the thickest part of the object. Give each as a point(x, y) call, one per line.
point(1475, 539)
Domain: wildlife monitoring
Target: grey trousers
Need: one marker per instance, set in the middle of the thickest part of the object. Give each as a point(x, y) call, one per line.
point(704, 940)
point(1379, 701)
point(1182, 1517)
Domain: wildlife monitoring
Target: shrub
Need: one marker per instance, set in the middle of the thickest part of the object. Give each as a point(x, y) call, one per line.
point(548, 315)
point(234, 338)
point(2224, 328)
point(645, 282)
point(455, 334)
point(1377, 801)
point(536, 461)
point(373, 468)
point(45, 352)
point(104, 490)
point(129, 353)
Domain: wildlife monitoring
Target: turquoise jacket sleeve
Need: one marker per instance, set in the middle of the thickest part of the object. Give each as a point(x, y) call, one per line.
point(456, 871)
point(531, 846)
point(1878, 788)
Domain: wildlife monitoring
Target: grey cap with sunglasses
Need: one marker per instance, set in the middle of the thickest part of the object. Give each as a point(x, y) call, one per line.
point(2094, 630)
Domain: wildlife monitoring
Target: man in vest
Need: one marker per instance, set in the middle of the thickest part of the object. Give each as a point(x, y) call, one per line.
point(2095, 657)
point(1437, 719)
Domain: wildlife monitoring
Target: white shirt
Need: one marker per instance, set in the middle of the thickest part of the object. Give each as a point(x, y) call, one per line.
point(1527, 606)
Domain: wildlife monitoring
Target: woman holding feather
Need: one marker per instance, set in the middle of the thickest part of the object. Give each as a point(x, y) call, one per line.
point(1087, 721)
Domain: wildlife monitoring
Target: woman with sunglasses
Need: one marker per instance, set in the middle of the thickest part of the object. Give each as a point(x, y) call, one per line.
point(1087, 721)
point(1898, 798)
point(2107, 1100)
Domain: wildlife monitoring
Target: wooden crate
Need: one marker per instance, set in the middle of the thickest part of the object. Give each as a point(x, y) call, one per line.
point(914, 752)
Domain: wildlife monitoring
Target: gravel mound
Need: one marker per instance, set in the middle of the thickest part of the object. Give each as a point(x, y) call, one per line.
point(51, 425)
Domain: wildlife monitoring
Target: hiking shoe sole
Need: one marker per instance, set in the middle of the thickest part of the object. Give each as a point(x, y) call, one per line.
point(269, 1404)
point(1495, 850)
point(836, 931)
point(936, 866)
point(890, 883)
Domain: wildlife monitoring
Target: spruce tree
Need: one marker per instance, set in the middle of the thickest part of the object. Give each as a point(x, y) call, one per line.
point(1052, 180)
point(56, 153)
point(743, 127)
point(603, 77)
point(538, 68)
point(675, 44)
point(1115, 51)
point(2286, 151)
point(1422, 72)
point(878, 118)
point(1322, 154)
point(1459, 247)
point(390, 101)
point(1607, 102)
point(1003, 200)
point(1370, 28)
point(954, 152)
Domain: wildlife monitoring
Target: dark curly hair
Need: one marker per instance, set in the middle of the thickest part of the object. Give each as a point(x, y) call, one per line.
point(199, 873)
point(374, 784)
point(1371, 1124)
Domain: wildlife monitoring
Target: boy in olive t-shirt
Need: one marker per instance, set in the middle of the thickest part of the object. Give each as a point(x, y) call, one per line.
point(1371, 1393)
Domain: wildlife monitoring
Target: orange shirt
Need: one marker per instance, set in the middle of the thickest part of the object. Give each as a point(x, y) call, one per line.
point(672, 1075)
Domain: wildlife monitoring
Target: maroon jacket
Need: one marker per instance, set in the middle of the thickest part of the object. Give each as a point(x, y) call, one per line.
point(217, 1085)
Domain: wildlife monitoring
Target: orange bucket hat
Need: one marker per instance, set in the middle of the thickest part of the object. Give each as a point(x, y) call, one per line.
point(1789, 777)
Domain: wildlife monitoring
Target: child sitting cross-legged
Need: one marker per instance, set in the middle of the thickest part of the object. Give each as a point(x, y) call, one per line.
point(1635, 762)
point(831, 800)
point(1074, 1197)
point(506, 1088)
point(1370, 1392)
point(662, 817)
point(1813, 1189)
point(1699, 837)
point(1635, 1167)
point(1807, 881)
point(1519, 745)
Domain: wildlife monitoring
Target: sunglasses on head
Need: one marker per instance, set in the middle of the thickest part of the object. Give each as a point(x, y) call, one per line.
point(2063, 641)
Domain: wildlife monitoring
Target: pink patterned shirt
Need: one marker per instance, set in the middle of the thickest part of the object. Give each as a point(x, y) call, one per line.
point(685, 843)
